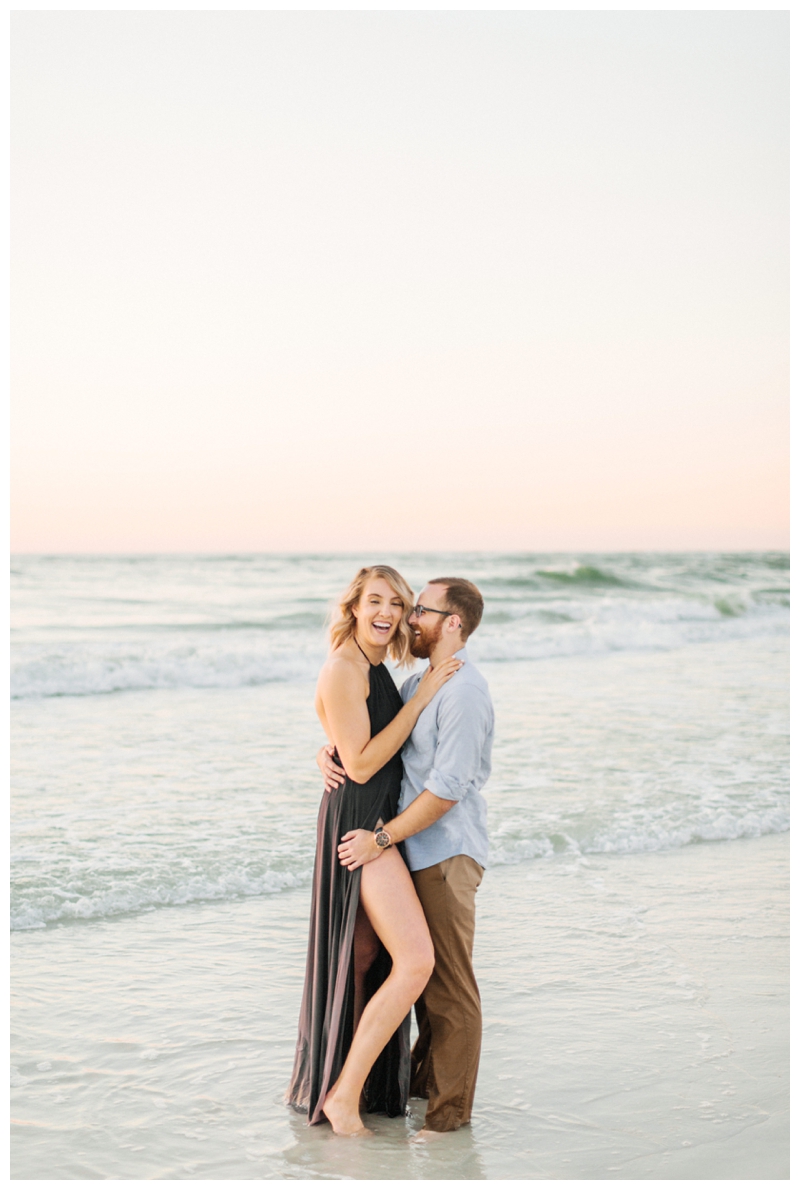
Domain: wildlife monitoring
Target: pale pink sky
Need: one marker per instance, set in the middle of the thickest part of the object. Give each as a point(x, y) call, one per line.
point(393, 280)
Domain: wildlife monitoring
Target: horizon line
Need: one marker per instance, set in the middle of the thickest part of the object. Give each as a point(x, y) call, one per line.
point(276, 553)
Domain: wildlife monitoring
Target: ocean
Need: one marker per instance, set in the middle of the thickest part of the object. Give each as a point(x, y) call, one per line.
point(163, 742)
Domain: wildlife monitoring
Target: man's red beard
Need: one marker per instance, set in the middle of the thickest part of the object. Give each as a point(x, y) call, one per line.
point(423, 645)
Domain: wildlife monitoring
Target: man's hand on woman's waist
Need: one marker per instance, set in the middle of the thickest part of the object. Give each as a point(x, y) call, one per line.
point(333, 773)
point(359, 847)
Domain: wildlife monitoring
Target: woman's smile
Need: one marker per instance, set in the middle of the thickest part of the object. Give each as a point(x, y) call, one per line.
point(379, 612)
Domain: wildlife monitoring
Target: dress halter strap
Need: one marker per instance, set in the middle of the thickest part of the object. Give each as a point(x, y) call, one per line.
point(358, 646)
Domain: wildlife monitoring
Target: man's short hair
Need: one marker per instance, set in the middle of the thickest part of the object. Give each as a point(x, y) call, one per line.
point(463, 597)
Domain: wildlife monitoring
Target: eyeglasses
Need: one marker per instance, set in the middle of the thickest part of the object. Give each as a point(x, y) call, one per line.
point(419, 609)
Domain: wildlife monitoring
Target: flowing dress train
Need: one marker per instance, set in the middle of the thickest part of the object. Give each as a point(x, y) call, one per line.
point(325, 1030)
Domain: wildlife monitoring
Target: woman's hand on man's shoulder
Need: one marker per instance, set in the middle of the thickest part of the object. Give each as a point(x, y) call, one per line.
point(435, 677)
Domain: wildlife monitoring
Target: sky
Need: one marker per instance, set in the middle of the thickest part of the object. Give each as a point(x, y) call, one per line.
point(405, 280)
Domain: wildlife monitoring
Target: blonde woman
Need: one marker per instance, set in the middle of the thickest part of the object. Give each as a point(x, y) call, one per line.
point(369, 949)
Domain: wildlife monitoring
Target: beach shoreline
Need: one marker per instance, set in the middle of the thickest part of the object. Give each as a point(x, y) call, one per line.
point(631, 937)
point(636, 1017)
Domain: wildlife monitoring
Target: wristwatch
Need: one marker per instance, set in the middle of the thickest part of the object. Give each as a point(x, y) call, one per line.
point(382, 838)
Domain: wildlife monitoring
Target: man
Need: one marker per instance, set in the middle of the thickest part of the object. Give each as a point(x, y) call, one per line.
point(442, 819)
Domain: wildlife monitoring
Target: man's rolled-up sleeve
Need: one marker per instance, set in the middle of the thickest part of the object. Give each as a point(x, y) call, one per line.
point(462, 722)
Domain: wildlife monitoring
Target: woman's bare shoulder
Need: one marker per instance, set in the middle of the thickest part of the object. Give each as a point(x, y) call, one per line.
point(341, 672)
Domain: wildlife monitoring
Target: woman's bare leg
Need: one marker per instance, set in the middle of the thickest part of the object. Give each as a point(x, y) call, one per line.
point(393, 909)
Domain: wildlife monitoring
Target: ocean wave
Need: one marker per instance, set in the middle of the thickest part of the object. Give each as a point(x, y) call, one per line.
point(211, 658)
point(79, 670)
point(725, 826)
point(666, 625)
point(52, 906)
point(543, 579)
point(591, 576)
point(49, 903)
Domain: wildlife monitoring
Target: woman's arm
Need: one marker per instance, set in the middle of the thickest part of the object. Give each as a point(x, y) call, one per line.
point(341, 689)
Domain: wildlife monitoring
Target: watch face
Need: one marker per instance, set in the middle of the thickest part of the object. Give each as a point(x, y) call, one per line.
point(382, 839)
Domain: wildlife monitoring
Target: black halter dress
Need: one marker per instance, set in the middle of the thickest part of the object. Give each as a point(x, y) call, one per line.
point(325, 1030)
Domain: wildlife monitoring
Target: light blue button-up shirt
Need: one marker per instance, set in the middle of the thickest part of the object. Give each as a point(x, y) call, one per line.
point(449, 752)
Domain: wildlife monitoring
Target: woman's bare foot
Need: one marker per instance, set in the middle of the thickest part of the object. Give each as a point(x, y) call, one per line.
point(343, 1120)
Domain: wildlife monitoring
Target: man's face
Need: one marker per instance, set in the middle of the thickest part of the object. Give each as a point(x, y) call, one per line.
point(427, 627)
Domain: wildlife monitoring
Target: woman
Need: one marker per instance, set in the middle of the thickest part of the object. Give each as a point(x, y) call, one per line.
point(369, 950)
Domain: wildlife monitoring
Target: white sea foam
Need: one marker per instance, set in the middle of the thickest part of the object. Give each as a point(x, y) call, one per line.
point(105, 887)
point(622, 841)
point(141, 892)
point(133, 645)
point(106, 668)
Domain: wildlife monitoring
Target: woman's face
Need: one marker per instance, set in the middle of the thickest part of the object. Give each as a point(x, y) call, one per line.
point(378, 612)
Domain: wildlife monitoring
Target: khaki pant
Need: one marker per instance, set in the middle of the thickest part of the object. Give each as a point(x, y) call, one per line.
point(444, 1062)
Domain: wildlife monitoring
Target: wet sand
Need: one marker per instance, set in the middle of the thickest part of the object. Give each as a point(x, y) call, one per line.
point(636, 1026)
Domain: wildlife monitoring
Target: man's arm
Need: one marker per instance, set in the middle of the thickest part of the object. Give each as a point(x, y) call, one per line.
point(359, 847)
point(464, 719)
point(423, 812)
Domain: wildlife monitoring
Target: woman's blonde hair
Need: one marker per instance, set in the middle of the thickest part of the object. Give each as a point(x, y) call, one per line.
point(343, 622)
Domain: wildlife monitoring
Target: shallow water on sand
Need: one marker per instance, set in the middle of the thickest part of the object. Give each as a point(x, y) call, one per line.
point(635, 1026)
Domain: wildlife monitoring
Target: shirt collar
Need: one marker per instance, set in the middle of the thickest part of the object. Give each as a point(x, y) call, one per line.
point(461, 655)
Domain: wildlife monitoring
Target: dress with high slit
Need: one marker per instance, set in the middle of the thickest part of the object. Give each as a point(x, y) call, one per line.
point(325, 1030)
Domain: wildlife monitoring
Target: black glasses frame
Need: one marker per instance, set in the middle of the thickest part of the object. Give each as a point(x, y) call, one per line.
point(415, 611)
